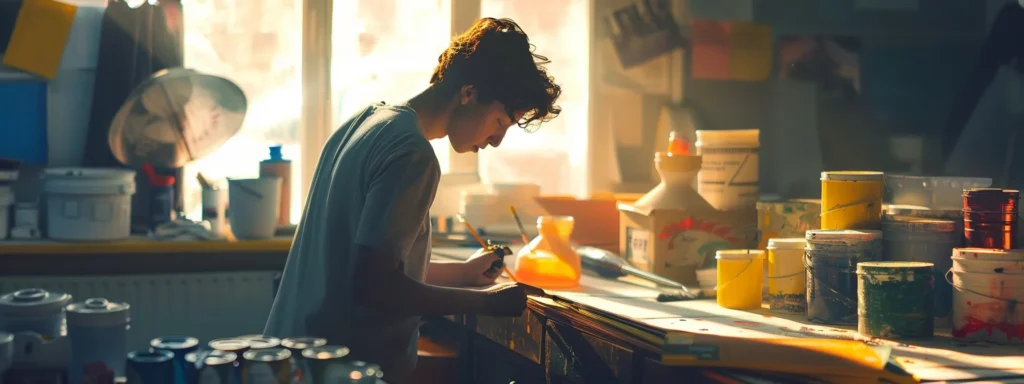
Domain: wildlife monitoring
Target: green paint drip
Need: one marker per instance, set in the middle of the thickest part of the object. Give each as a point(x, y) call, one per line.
point(895, 299)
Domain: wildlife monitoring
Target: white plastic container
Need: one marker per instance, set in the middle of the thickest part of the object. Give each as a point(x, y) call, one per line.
point(6, 201)
point(728, 177)
point(978, 260)
point(254, 207)
point(88, 204)
point(982, 309)
point(34, 310)
point(98, 330)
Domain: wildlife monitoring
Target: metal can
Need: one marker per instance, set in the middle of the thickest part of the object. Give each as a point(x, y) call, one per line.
point(179, 346)
point(150, 367)
point(296, 345)
point(217, 367)
point(269, 365)
point(363, 373)
point(323, 363)
point(261, 342)
point(237, 346)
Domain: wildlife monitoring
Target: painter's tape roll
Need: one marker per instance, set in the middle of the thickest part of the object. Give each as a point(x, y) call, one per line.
point(851, 200)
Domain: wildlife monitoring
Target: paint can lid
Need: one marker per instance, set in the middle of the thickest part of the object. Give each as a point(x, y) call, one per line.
point(842, 235)
point(230, 345)
point(261, 342)
point(300, 343)
point(893, 267)
point(326, 352)
point(852, 176)
point(787, 243)
point(98, 312)
point(267, 354)
point(989, 254)
point(174, 343)
point(739, 254)
point(917, 225)
point(897, 210)
point(728, 138)
point(33, 302)
point(211, 358)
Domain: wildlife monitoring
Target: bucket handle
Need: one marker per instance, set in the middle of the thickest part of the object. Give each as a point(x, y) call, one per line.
point(1011, 304)
point(849, 303)
point(847, 205)
point(718, 287)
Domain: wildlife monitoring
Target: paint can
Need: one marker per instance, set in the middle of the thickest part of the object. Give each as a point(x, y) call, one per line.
point(740, 276)
point(728, 177)
point(786, 281)
point(980, 260)
point(830, 259)
point(990, 218)
point(895, 299)
point(260, 341)
point(296, 345)
point(928, 241)
point(986, 307)
point(851, 200)
point(179, 346)
point(324, 362)
point(786, 219)
point(267, 366)
point(894, 212)
point(217, 367)
point(151, 366)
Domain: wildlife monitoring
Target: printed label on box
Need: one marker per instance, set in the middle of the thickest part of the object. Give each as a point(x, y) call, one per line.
point(636, 250)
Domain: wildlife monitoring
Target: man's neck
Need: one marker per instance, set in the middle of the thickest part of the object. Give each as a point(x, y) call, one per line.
point(433, 111)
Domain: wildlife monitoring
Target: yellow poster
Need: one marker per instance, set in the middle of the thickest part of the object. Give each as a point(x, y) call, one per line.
point(39, 36)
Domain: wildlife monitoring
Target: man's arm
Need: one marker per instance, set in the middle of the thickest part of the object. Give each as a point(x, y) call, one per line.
point(447, 273)
point(382, 286)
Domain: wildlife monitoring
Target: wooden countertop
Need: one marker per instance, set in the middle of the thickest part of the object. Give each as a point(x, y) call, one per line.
point(746, 337)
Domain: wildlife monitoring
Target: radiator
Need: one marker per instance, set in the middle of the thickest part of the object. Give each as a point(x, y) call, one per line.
point(205, 306)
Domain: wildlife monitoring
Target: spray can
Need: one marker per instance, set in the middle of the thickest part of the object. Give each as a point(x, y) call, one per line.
point(278, 166)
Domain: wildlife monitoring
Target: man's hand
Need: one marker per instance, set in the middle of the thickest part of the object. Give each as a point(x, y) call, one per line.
point(476, 271)
point(508, 299)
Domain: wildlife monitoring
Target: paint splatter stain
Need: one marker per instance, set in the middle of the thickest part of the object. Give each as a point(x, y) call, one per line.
point(968, 303)
point(747, 323)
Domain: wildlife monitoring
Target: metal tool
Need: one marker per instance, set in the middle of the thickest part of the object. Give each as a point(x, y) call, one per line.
point(609, 265)
point(501, 251)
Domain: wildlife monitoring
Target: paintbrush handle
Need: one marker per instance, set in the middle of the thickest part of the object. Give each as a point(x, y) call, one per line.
point(633, 271)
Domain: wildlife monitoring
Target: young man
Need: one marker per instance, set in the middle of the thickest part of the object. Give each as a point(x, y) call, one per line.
point(359, 272)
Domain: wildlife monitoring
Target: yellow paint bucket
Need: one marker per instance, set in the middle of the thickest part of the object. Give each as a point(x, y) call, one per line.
point(851, 200)
point(740, 277)
point(787, 279)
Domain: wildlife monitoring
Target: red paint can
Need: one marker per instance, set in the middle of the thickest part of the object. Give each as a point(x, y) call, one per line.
point(990, 218)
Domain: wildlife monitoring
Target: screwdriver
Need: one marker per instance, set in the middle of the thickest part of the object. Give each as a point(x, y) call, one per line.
point(610, 265)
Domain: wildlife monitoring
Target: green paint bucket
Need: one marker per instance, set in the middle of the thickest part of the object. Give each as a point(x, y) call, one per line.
point(895, 299)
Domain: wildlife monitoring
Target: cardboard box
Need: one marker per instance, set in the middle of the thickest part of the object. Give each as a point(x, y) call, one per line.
point(674, 243)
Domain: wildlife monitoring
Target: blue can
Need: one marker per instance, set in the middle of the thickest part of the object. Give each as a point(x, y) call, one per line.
point(98, 330)
point(179, 346)
point(150, 367)
point(215, 367)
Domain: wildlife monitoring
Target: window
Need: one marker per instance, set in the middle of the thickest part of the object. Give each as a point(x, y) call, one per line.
point(257, 44)
point(555, 156)
point(385, 50)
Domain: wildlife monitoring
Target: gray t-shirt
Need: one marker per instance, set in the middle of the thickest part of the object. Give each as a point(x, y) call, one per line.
point(373, 187)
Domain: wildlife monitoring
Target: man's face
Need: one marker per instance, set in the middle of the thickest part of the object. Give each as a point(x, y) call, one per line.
point(475, 125)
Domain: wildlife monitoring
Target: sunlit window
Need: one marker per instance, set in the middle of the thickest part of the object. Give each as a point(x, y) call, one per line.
point(257, 44)
point(385, 50)
point(554, 157)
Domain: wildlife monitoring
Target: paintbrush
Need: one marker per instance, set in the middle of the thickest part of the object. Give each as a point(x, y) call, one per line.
point(469, 227)
point(522, 231)
point(203, 182)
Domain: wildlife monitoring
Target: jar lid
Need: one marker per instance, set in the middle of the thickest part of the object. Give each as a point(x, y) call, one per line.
point(98, 312)
point(919, 225)
point(852, 176)
point(787, 243)
point(301, 343)
point(174, 343)
point(33, 302)
point(827, 235)
point(212, 358)
point(327, 352)
point(267, 354)
point(229, 345)
point(739, 254)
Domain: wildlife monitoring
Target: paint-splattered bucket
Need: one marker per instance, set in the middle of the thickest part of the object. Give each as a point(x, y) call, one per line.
point(979, 260)
point(740, 274)
point(785, 219)
point(831, 259)
point(895, 299)
point(786, 278)
point(988, 307)
point(851, 200)
point(895, 212)
point(924, 240)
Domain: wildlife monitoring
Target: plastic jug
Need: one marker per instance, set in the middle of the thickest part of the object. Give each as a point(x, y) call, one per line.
point(549, 261)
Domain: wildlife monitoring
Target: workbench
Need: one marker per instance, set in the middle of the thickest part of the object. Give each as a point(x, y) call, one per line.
point(538, 345)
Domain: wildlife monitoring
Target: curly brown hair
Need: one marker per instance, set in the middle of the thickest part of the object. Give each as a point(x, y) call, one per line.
point(495, 56)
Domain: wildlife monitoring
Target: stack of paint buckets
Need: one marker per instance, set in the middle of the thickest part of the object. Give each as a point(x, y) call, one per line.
point(988, 275)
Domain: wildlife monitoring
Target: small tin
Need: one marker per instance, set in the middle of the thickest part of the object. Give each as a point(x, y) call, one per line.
point(34, 310)
point(150, 367)
point(322, 362)
point(268, 365)
point(237, 346)
point(98, 330)
point(217, 367)
point(296, 345)
point(179, 346)
point(261, 342)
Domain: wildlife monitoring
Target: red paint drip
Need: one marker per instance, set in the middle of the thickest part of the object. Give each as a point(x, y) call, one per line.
point(747, 323)
point(973, 324)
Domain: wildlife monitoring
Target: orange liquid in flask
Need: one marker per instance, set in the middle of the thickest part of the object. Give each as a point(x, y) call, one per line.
point(549, 261)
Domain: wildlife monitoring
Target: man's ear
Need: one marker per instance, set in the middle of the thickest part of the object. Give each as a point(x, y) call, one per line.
point(467, 94)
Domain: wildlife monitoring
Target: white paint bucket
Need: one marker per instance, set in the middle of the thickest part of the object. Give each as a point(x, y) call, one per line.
point(728, 177)
point(976, 260)
point(254, 207)
point(986, 307)
point(88, 204)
